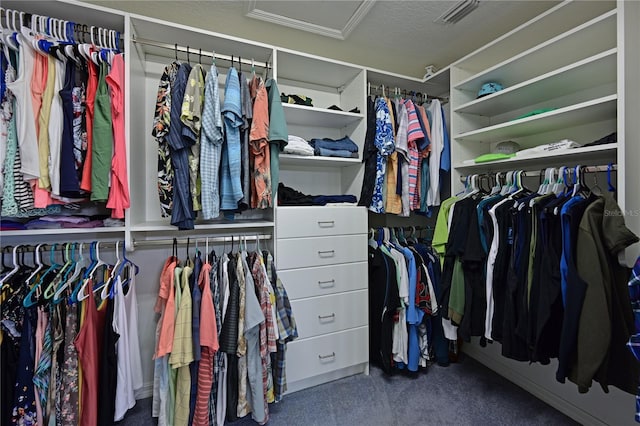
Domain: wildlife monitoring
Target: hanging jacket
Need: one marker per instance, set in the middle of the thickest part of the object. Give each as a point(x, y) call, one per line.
point(606, 321)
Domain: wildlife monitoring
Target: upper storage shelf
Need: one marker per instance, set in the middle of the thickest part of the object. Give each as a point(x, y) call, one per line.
point(588, 73)
point(568, 14)
point(319, 117)
point(586, 40)
point(144, 28)
point(304, 68)
point(571, 116)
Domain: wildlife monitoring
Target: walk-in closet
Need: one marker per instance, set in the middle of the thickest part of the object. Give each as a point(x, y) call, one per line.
point(331, 213)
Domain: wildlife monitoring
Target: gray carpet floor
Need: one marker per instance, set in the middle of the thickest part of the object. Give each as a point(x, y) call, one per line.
point(466, 393)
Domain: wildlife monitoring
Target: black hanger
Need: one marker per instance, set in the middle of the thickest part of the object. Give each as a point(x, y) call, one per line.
point(188, 58)
point(175, 51)
point(200, 56)
point(174, 251)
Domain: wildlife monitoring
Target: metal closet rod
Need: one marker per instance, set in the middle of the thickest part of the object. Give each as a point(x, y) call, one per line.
point(146, 243)
point(201, 52)
point(536, 173)
point(386, 91)
point(225, 239)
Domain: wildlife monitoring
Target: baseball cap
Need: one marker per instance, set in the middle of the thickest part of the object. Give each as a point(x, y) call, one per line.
point(489, 88)
point(506, 147)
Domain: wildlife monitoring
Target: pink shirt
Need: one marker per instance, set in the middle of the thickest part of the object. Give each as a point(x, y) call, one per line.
point(118, 199)
point(166, 304)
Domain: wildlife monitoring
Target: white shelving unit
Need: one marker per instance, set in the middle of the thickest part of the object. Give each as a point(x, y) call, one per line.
point(567, 66)
point(581, 60)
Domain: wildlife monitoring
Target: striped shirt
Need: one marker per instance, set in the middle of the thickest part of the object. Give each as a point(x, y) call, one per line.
point(414, 131)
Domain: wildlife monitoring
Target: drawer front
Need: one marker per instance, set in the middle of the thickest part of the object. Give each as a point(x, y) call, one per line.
point(327, 314)
point(320, 251)
point(324, 280)
point(318, 221)
point(311, 357)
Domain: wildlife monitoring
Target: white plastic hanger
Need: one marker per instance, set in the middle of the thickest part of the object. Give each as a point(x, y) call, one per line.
point(82, 293)
point(38, 262)
point(16, 265)
point(80, 264)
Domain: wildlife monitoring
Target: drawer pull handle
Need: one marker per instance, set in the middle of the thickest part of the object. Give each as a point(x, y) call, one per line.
point(324, 317)
point(327, 284)
point(326, 223)
point(331, 355)
point(326, 253)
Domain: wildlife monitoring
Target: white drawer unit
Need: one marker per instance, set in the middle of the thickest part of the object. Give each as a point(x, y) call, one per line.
point(311, 357)
point(296, 222)
point(320, 251)
point(323, 280)
point(327, 314)
point(322, 260)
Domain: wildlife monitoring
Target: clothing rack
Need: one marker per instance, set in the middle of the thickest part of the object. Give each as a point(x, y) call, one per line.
point(60, 28)
point(144, 243)
point(385, 91)
point(199, 52)
point(538, 173)
point(224, 239)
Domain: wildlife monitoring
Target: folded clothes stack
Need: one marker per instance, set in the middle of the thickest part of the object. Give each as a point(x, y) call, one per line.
point(326, 147)
point(288, 196)
point(298, 146)
point(296, 99)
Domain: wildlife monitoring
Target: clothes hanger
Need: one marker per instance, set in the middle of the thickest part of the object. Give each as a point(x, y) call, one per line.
point(36, 290)
point(82, 293)
point(372, 241)
point(69, 268)
point(37, 261)
point(114, 272)
point(80, 264)
point(16, 266)
point(68, 262)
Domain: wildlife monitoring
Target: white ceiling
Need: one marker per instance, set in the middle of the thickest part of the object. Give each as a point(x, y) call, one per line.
point(397, 36)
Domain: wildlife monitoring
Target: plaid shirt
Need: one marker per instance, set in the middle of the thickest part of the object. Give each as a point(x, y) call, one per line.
point(211, 147)
point(286, 327)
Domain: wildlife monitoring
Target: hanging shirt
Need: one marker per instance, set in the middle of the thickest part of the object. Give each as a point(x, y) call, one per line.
point(402, 147)
point(437, 145)
point(182, 214)
point(231, 185)
point(278, 132)
point(119, 193)
point(247, 116)
point(385, 145)
point(69, 184)
point(25, 120)
point(92, 88)
point(161, 125)
point(102, 140)
point(191, 118)
point(260, 154)
point(211, 147)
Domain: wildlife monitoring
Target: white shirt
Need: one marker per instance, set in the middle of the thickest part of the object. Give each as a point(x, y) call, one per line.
point(25, 118)
point(437, 145)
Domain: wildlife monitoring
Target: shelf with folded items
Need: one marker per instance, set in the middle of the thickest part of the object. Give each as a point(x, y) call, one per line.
point(216, 225)
point(591, 111)
point(317, 161)
point(582, 155)
point(65, 231)
point(319, 117)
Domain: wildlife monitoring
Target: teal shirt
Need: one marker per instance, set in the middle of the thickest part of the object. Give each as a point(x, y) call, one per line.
point(278, 133)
